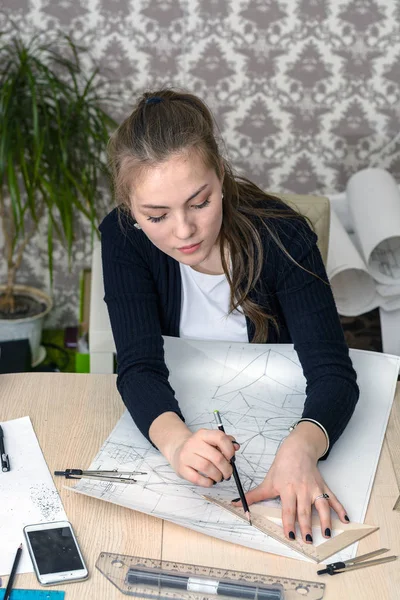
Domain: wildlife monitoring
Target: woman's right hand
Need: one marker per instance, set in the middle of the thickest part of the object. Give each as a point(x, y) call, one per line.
point(203, 457)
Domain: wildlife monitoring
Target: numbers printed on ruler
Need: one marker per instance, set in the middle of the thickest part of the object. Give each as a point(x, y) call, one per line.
point(115, 568)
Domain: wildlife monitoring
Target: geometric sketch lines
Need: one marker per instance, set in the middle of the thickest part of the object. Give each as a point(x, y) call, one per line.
point(255, 407)
point(259, 392)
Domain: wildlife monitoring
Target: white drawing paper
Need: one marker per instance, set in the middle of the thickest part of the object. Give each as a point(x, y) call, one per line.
point(390, 330)
point(353, 287)
point(355, 290)
point(364, 266)
point(27, 493)
point(374, 202)
point(260, 391)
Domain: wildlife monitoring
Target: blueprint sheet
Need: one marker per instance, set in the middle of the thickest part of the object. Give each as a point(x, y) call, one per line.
point(259, 390)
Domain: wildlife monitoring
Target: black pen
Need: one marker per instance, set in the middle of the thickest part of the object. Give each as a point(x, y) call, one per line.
point(5, 463)
point(13, 573)
point(235, 472)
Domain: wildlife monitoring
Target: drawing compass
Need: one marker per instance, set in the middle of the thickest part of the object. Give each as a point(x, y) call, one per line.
point(112, 475)
point(357, 563)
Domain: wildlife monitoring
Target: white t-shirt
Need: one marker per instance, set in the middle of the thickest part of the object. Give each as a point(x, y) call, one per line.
point(205, 306)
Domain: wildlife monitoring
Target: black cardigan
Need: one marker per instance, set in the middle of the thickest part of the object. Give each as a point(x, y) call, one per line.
point(143, 296)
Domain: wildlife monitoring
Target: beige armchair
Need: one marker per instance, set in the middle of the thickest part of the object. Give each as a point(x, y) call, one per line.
point(101, 341)
point(317, 209)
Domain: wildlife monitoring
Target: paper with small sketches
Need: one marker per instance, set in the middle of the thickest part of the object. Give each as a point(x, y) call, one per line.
point(27, 493)
point(364, 268)
point(260, 391)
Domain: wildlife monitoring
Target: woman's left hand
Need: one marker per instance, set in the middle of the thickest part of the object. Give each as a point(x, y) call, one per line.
point(294, 476)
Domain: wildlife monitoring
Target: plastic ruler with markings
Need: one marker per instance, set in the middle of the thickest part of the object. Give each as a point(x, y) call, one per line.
point(34, 594)
point(117, 567)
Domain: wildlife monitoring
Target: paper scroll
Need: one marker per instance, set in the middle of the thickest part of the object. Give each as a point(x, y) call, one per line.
point(364, 268)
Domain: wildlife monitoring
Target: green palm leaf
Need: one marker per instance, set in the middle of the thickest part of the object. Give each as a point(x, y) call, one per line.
point(54, 131)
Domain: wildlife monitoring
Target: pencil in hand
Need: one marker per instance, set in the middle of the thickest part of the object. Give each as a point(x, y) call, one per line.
point(235, 473)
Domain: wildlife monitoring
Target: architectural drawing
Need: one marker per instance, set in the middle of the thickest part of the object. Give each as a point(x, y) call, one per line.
point(259, 391)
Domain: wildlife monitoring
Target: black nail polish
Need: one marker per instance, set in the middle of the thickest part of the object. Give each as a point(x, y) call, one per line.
point(236, 500)
point(328, 532)
point(308, 538)
point(291, 535)
point(347, 518)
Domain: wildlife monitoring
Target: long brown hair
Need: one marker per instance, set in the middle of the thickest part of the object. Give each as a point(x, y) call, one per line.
point(170, 122)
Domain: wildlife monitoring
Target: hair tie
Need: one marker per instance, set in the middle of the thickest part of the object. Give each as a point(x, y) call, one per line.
point(154, 100)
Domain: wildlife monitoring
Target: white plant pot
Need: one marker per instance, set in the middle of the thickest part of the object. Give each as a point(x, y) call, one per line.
point(30, 327)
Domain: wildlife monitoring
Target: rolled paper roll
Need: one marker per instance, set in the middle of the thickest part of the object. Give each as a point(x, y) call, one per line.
point(374, 203)
point(353, 288)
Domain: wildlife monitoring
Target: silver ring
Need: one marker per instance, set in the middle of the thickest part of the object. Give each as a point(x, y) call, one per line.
point(325, 496)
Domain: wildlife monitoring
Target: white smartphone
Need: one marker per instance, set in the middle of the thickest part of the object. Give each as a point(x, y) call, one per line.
point(55, 553)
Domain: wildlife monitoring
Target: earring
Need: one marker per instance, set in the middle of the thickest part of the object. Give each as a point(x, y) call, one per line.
point(137, 226)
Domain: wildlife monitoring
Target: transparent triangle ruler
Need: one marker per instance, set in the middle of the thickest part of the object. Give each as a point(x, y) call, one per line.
point(262, 518)
point(141, 577)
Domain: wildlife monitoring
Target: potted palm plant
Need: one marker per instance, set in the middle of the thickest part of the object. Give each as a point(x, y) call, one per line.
point(53, 134)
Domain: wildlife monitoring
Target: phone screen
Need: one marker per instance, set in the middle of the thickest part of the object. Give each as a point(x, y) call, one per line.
point(55, 550)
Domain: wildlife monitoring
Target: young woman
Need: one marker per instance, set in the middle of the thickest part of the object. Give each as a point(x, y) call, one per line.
point(194, 251)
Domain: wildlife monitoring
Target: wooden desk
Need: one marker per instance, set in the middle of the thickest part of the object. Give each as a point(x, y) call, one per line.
point(73, 414)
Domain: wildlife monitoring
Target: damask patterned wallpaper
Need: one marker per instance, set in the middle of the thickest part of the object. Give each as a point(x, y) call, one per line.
point(305, 92)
